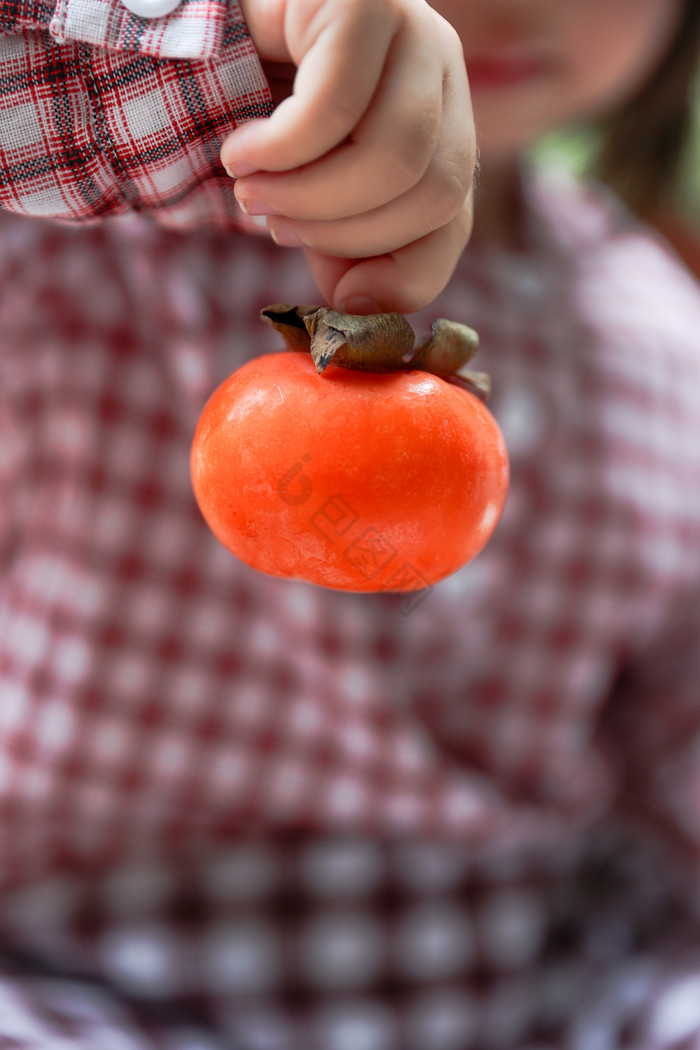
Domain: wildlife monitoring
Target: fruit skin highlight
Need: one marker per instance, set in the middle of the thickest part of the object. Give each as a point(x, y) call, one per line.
point(352, 480)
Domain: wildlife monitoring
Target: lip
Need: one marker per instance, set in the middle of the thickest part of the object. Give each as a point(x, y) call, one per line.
point(504, 69)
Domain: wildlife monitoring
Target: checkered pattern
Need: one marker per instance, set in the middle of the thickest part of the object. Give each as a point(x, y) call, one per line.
point(348, 944)
point(104, 112)
point(243, 813)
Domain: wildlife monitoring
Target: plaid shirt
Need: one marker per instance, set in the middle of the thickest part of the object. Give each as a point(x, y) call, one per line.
point(104, 112)
point(246, 814)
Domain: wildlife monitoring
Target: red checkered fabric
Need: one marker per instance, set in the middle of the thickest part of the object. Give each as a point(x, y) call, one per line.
point(245, 814)
point(105, 112)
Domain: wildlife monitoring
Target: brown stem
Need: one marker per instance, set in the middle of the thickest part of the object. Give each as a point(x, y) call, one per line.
point(374, 343)
point(288, 320)
point(378, 342)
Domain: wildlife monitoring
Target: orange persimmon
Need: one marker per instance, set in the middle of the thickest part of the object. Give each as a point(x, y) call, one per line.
point(354, 480)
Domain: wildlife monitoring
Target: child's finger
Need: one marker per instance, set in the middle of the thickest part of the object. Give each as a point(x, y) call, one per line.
point(404, 281)
point(387, 153)
point(356, 178)
point(332, 90)
point(434, 202)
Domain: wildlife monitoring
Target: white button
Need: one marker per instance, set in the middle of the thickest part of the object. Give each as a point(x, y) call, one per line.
point(151, 8)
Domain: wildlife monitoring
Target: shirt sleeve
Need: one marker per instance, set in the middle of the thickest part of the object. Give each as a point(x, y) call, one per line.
point(136, 111)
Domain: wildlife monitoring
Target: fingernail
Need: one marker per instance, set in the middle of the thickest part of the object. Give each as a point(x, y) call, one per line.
point(256, 207)
point(238, 168)
point(360, 304)
point(259, 222)
point(285, 237)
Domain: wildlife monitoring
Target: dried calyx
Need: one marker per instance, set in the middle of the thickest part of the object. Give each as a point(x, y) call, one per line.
point(378, 342)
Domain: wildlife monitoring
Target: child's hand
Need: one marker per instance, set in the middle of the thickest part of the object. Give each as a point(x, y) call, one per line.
point(369, 163)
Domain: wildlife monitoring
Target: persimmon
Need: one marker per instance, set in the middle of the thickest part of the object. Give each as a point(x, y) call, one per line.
point(351, 479)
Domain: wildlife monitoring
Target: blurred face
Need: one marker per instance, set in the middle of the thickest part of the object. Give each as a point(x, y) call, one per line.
point(536, 64)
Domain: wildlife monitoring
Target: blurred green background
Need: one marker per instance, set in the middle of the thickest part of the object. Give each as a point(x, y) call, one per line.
point(576, 149)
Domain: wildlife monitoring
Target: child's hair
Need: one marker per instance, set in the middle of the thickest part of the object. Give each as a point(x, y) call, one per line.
point(643, 144)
